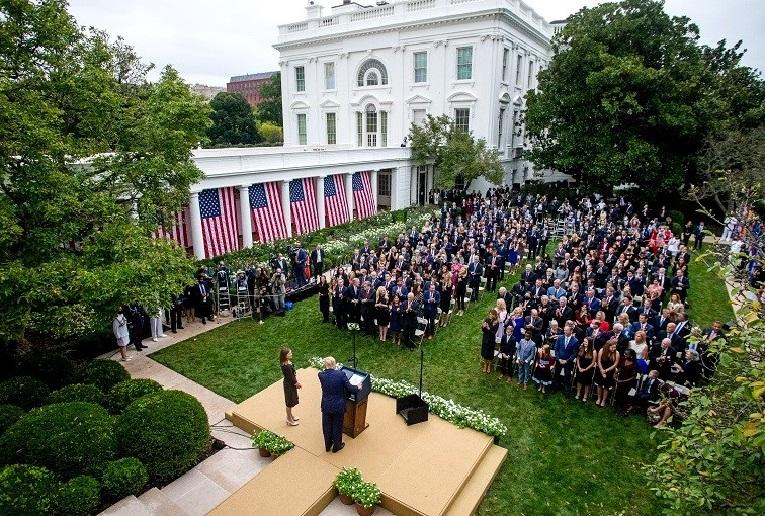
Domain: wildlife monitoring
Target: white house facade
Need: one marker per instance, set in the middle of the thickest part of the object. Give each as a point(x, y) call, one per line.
point(354, 79)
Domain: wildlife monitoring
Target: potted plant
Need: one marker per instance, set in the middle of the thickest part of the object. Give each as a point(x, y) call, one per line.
point(346, 482)
point(278, 445)
point(366, 495)
point(261, 441)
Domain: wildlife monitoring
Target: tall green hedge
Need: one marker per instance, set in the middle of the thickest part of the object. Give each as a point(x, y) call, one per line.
point(103, 374)
point(27, 490)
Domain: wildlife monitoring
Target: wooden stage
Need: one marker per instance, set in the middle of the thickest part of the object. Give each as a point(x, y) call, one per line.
point(432, 468)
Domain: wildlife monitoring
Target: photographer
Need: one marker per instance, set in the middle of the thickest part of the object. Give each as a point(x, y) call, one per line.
point(278, 288)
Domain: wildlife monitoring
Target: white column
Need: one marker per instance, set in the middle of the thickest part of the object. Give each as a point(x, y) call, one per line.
point(349, 193)
point(373, 185)
point(394, 184)
point(196, 227)
point(245, 215)
point(286, 207)
point(320, 208)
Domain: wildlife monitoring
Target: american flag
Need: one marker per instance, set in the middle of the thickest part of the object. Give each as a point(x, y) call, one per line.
point(179, 229)
point(362, 195)
point(220, 226)
point(266, 205)
point(335, 202)
point(303, 205)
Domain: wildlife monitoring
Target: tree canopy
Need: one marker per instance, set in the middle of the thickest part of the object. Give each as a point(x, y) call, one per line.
point(270, 107)
point(233, 121)
point(86, 144)
point(630, 96)
point(456, 154)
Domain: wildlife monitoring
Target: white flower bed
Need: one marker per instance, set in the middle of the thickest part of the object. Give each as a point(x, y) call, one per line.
point(445, 409)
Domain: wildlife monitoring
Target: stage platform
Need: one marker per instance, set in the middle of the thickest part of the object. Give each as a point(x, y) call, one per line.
point(431, 468)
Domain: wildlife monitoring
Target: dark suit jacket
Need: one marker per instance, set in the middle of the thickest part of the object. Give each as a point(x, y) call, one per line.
point(315, 256)
point(563, 352)
point(334, 391)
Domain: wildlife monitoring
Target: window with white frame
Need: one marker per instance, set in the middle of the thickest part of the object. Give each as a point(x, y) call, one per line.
point(420, 67)
point(329, 76)
point(383, 128)
point(462, 119)
point(371, 114)
point(418, 116)
point(372, 73)
point(464, 63)
point(331, 128)
point(299, 78)
point(530, 77)
point(359, 129)
point(518, 68)
point(505, 60)
point(383, 185)
point(302, 129)
point(499, 130)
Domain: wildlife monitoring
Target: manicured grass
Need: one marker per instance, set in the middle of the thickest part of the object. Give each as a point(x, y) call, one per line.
point(707, 296)
point(564, 457)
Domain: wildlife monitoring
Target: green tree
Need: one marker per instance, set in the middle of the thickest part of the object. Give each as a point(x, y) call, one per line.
point(233, 122)
point(271, 133)
point(629, 96)
point(456, 154)
point(86, 143)
point(270, 107)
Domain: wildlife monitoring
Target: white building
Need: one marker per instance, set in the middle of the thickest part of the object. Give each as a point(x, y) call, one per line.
point(355, 77)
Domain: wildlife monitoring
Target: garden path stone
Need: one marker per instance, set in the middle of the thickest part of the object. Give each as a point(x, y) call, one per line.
point(195, 493)
point(128, 506)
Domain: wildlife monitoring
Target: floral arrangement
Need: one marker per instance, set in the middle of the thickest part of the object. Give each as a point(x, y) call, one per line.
point(347, 481)
point(276, 444)
point(445, 409)
point(366, 494)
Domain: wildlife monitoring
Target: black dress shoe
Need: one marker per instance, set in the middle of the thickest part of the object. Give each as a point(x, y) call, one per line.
point(174, 331)
point(342, 445)
point(327, 448)
point(180, 327)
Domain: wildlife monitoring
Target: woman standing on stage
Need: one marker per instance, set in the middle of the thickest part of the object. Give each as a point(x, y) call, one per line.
point(291, 385)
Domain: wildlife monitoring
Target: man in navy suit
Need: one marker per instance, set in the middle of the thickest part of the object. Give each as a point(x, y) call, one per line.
point(566, 348)
point(334, 391)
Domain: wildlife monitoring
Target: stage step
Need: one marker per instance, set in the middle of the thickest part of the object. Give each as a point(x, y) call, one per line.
point(473, 491)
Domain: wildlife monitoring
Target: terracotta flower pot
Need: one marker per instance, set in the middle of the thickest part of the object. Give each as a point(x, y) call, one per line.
point(275, 455)
point(347, 500)
point(263, 452)
point(363, 511)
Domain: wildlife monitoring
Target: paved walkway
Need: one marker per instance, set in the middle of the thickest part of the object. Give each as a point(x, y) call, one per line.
point(217, 477)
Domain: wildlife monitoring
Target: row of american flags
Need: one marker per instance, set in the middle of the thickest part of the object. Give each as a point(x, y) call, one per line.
point(219, 209)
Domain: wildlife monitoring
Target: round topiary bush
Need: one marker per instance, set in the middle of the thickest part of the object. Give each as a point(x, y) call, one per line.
point(86, 392)
point(123, 477)
point(9, 414)
point(168, 431)
point(28, 490)
point(68, 438)
point(103, 374)
point(23, 391)
point(79, 497)
point(127, 391)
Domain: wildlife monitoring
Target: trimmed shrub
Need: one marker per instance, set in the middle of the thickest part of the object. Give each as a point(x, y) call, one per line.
point(86, 392)
point(104, 374)
point(53, 368)
point(68, 438)
point(677, 217)
point(127, 391)
point(9, 414)
point(168, 431)
point(27, 490)
point(123, 477)
point(23, 391)
point(79, 497)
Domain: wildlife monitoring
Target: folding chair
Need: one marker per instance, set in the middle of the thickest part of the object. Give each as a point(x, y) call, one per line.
point(452, 309)
point(468, 295)
point(437, 323)
point(482, 286)
point(419, 332)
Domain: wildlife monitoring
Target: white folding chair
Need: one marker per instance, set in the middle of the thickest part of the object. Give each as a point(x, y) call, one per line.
point(419, 332)
point(468, 295)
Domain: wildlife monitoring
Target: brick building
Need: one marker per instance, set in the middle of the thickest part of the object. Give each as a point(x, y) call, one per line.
point(249, 86)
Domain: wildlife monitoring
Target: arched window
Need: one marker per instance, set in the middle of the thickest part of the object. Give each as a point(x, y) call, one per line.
point(372, 73)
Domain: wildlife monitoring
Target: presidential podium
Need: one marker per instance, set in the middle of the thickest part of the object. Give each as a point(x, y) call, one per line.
point(355, 419)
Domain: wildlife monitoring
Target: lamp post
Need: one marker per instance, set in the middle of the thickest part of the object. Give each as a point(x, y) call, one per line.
point(353, 328)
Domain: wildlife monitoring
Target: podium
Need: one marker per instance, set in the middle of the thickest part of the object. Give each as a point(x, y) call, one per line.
point(354, 421)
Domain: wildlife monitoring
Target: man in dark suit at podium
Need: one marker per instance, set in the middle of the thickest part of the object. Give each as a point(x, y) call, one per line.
point(334, 391)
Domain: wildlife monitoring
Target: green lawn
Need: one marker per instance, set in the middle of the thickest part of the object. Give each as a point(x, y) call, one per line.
point(707, 296)
point(564, 457)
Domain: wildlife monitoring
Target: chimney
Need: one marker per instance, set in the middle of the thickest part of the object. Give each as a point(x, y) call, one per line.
point(313, 10)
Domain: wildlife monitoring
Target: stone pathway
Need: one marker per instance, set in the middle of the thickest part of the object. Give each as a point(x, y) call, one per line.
point(213, 480)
